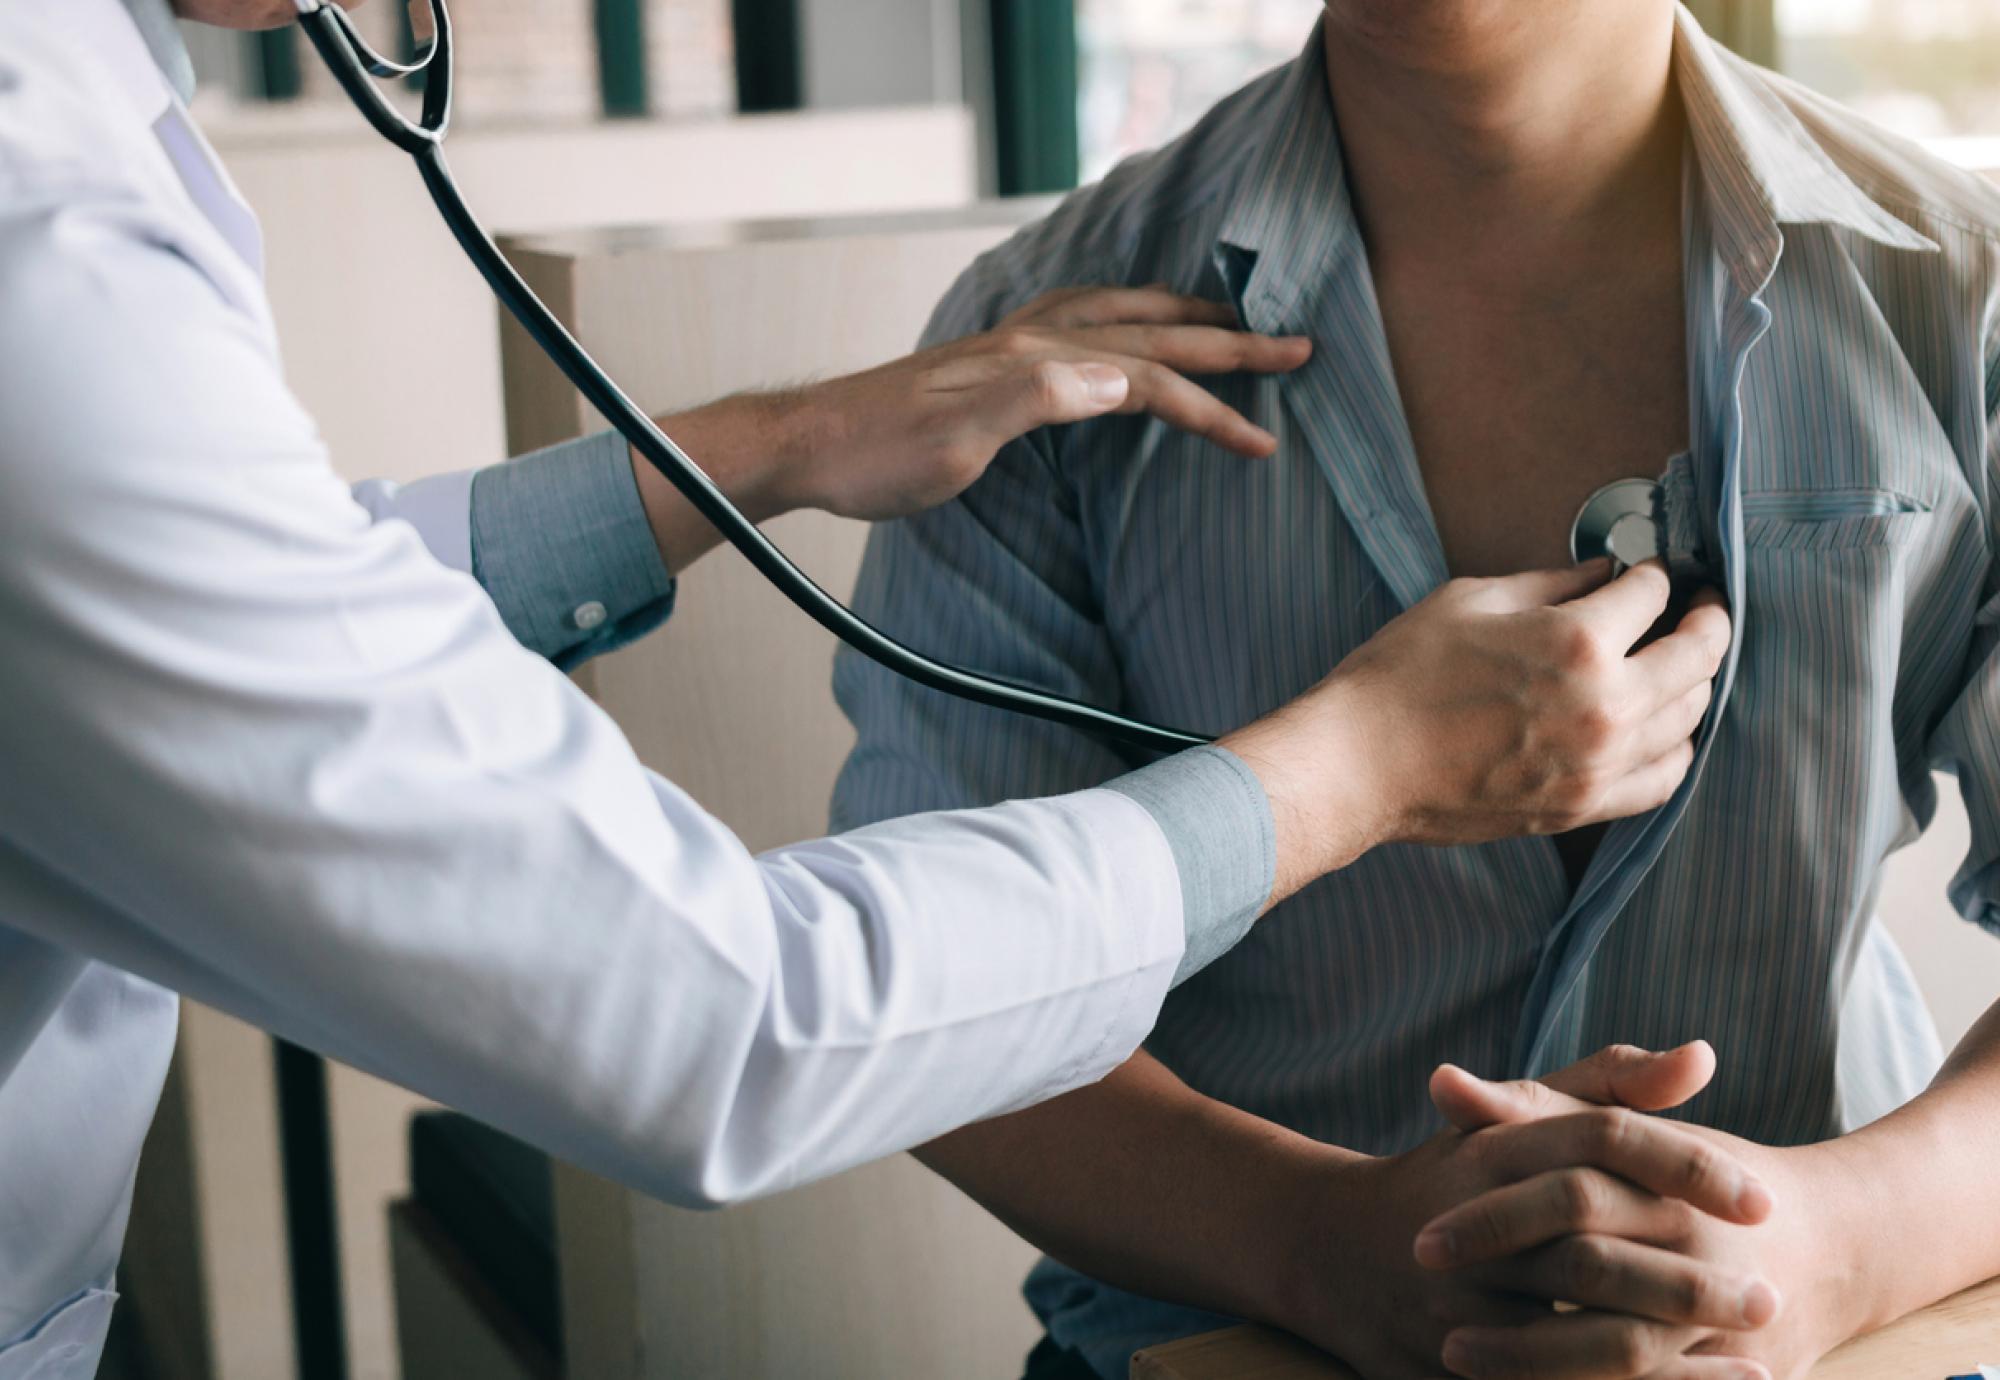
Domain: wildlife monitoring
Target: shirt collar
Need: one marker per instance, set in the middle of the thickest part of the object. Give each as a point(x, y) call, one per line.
point(1761, 167)
point(161, 31)
point(1292, 211)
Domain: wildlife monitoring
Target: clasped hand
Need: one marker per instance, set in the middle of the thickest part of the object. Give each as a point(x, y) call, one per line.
point(1677, 1253)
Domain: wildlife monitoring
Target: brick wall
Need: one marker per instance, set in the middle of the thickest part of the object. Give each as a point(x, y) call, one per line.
point(526, 60)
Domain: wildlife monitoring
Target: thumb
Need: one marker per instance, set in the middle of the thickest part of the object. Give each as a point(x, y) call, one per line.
point(1540, 589)
point(1617, 1076)
point(1051, 392)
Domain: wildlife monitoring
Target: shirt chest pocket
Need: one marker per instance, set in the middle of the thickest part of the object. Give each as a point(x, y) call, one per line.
point(1832, 520)
point(1827, 584)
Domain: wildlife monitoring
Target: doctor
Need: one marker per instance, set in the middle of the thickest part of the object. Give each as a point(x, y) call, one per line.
point(307, 754)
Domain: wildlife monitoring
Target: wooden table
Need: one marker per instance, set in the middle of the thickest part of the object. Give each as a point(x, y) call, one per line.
point(1950, 1338)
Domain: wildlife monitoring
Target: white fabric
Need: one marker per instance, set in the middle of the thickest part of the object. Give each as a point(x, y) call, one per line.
point(262, 749)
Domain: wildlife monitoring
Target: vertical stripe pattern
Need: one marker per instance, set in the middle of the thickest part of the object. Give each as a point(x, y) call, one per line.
point(1841, 294)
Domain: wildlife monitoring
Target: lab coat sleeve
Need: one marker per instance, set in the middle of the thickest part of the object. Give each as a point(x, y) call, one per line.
point(271, 753)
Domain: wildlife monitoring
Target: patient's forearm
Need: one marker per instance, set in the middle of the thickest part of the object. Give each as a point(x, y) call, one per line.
point(1925, 1186)
point(1145, 1184)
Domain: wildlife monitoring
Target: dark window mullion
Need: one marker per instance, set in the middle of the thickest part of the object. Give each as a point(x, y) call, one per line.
point(621, 57)
point(1034, 95)
point(770, 62)
point(274, 64)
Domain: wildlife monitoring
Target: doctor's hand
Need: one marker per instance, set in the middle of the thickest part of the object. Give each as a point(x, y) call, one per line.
point(1494, 708)
point(1656, 1279)
point(1360, 1289)
point(918, 431)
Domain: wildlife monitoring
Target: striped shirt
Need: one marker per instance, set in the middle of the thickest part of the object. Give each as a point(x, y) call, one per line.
point(1841, 295)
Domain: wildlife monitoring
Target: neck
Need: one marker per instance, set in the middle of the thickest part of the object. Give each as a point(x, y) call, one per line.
point(1489, 131)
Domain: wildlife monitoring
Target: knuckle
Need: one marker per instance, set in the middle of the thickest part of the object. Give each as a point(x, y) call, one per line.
point(1597, 728)
point(1679, 1221)
point(1585, 1265)
point(1698, 1169)
point(1016, 341)
point(1049, 383)
point(1579, 1200)
point(1577, 650)
point(1612, 1132)
point(1631, 1350)
point(1693, 1294)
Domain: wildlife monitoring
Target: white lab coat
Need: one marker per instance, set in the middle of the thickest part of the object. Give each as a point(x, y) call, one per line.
point(265, 750)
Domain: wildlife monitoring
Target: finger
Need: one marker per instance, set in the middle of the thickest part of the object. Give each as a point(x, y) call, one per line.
point(1661, 1156)
point(1623, 611)
point(1689, 655)
point(1711, 1368)
point(1617, 1075)
point(1672, 724)
point(1197, 349)
point(1619, 1276)
point(1048, 393)
point(1519, 1217)
point(1155, 305)
point(1646, 788)
point(1600, 1346)
point(1627, 1076)
point(1537, 589)
point(1192, 408)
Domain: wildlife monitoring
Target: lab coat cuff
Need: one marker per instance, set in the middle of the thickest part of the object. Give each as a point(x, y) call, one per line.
point(561, 543)
point(1217, 820)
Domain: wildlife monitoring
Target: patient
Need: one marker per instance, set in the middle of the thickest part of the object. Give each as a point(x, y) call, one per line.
point(1540, 245)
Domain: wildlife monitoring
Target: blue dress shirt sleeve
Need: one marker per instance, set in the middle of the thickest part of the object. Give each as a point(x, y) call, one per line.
point(1966, 741)
point(558, 538)
point(561, 543)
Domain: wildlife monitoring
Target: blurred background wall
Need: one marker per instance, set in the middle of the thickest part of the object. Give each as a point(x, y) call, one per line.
point(578, 113)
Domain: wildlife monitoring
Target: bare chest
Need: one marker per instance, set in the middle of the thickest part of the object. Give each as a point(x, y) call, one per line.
point(1519, 413)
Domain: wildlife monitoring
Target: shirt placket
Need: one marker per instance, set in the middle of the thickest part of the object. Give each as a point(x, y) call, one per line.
point(1631, 847)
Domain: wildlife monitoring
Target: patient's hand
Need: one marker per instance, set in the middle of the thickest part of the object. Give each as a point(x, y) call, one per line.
point(1659, 1278)
point(1359, 1291)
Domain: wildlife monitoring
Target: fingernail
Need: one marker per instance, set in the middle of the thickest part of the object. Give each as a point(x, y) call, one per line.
point(1753, 1199)
point(1104, 384)
point(1760, 1303)
point(1436, 1247)
point(1460, 1356)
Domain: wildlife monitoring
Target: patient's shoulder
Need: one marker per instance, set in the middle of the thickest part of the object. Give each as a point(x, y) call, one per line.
point(1913, 183)
point(1149, 220)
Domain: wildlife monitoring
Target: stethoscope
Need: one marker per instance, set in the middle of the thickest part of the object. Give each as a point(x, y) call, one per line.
point(1606, 526)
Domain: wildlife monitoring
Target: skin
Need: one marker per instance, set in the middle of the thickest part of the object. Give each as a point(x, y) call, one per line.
point(1528, 142)
point(1507, 703)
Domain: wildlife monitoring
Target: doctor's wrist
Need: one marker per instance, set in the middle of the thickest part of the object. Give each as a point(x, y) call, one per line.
point(1316, 763)
point(746, 445)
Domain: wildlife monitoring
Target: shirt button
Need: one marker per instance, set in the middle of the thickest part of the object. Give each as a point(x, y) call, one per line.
point(589, 615)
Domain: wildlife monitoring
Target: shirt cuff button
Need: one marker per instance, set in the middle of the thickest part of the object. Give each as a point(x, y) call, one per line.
point(588, 615)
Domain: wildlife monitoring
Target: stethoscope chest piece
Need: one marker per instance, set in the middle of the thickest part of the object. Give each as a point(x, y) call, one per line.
point(1621, 520)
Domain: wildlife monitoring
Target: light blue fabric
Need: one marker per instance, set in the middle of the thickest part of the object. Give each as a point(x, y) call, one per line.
point(1841, 308)
point(1217, 819)
point(561, 531)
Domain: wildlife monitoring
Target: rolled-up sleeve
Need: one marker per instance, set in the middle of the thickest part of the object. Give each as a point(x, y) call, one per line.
point(558, 538)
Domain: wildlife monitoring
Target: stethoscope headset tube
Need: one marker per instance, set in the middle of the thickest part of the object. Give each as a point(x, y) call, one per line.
point(355, 65)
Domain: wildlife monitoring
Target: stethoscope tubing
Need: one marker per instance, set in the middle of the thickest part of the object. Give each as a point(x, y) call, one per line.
point(342, 50)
